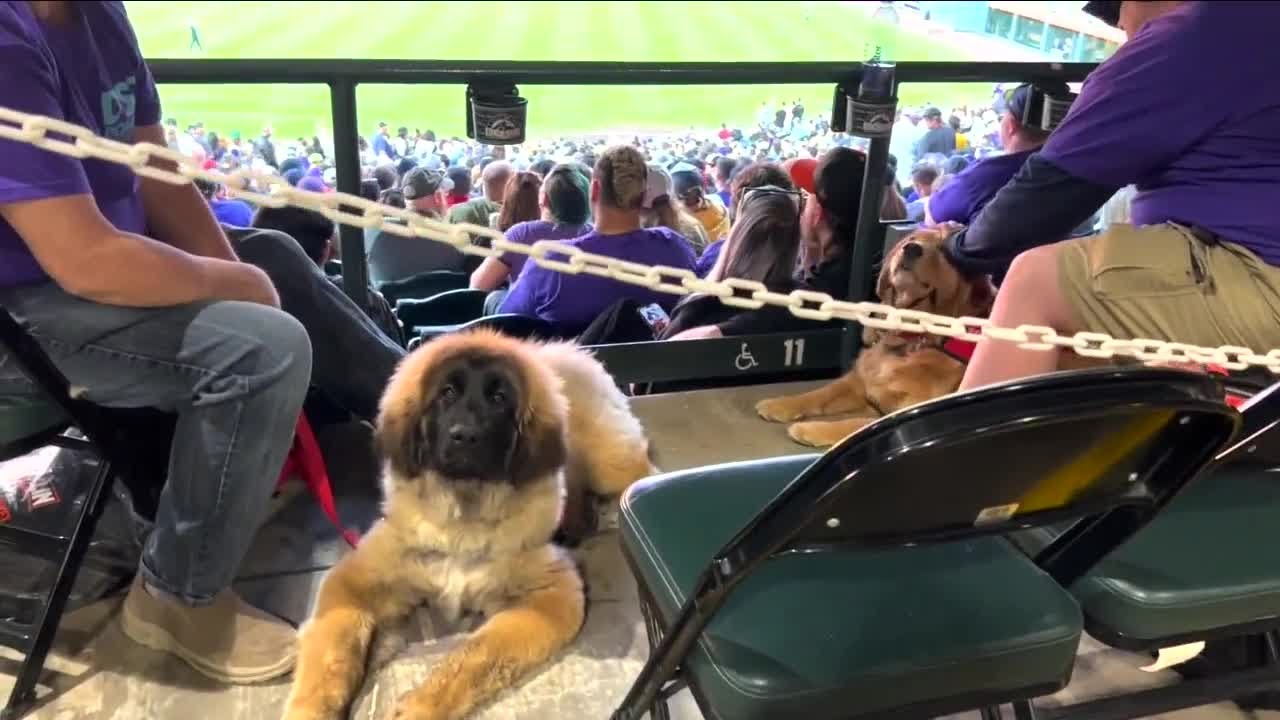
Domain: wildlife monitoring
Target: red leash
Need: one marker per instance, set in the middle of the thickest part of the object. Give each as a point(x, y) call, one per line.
point(306, 460)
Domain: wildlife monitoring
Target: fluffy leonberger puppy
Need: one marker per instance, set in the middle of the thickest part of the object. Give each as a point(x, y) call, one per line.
point(894, 370)
point(478, 432)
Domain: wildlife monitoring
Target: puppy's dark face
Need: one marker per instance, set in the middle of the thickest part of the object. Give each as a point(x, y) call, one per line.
point(468, 413)
point(471, 419)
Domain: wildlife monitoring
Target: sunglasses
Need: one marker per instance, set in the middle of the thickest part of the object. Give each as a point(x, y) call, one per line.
point(798, 196)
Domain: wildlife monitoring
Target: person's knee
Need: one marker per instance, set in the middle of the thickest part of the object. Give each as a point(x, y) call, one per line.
point(266, 346)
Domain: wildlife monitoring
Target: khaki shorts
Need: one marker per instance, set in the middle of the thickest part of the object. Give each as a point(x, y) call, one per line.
point(1161, 282)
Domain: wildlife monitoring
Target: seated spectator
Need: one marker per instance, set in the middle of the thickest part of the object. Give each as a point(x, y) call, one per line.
point(722, 176)
point(493, 179)
point(519, 200)
point(387, 177)
point(543, 167)
point(316, 234)
point(660, 210)
point(571, 302)
point(131, 287)
point(763, 246)
point(236, 213)
point(396, 257)
point(922, 182)
point(461, 192)
point(686, 180)
point(566, 211)
point(938, 137)
point(974, 186)
point(828, 223)
point(752, 175)
point(1201, 262)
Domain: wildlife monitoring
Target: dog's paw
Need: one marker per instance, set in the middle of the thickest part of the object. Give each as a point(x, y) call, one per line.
point(816, 434)
point(778, 410)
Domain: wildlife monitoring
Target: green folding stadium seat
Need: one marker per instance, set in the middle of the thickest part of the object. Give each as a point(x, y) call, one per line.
point(810, 633)
point(877, 579)
point(26, 417)
point(1204, 564)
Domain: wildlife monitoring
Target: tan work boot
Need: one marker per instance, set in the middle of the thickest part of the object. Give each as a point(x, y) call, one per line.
point(227, 640)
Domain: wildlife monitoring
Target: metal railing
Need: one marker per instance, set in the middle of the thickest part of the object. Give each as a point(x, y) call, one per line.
point(800, 354)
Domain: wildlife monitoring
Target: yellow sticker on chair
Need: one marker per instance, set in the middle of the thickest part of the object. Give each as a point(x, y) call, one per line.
point(995, 514)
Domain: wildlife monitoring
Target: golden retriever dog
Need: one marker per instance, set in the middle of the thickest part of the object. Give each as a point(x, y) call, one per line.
point(894, 370)
point(478, 432)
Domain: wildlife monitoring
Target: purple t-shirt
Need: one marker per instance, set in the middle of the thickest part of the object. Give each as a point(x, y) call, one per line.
point(89, 72)
point(571, 302)
point(707, 261)
point(1189, 111)
point(528, 233)
point(970, 191)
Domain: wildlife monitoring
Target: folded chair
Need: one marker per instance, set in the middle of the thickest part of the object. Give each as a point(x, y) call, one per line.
point(1203, 570)
point(450, 307)
point(423, 285)
point(28, 423)
point(873, 580)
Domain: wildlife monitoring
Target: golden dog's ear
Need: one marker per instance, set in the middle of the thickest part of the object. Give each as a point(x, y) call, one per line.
point(401, 440)
point(540, 446)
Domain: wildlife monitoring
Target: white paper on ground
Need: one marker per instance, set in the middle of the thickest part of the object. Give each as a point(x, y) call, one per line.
point(1176, 655)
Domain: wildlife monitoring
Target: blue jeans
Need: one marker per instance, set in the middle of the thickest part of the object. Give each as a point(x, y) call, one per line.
point(235, 374)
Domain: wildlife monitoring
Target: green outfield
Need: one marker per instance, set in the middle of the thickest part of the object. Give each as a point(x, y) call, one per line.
point(614, 31)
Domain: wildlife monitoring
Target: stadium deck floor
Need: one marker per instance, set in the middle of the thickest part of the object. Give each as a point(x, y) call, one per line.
point(100, 675)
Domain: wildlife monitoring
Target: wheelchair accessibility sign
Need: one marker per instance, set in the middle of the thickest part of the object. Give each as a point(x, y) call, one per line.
point(745, 360)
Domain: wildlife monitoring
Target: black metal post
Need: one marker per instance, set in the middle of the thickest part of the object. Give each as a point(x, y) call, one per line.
point(870, 116)
point(346, 153)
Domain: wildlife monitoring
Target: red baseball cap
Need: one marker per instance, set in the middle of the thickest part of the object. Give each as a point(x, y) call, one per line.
point(802, 171)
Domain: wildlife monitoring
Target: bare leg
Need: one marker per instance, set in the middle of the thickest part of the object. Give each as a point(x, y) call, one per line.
point(1031, 295)
point(503, 651)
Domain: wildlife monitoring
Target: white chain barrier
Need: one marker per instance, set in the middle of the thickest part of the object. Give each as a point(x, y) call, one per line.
point(80, 142)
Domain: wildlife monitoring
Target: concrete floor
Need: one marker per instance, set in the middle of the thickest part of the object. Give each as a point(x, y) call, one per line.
point(100, 675)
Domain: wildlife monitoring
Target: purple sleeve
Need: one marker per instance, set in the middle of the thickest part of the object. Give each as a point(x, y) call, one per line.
point(523, 298)
point(1141, 109)
point(29, 84)
point(517, 234)
point(951, 203)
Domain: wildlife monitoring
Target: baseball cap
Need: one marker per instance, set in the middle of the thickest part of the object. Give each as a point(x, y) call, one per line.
point(837, 184)
point(420, 182)
point(801, 171)
point(932, 113)
point(685, 178)
point(1108, 11)
point(293, 176)
point(312, 183)
point(657, 184)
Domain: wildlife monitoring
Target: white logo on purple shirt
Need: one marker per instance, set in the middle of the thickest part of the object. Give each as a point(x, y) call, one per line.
point(118, 106)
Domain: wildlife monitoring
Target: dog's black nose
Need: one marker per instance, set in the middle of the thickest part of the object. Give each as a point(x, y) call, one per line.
point(463, 435)
point(912, 251)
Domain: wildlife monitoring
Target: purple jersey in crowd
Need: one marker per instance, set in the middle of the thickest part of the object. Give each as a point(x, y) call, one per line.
point(571, 302)
point(1189, 111)
point(528, 233)
point(88, 72)
point(970, 190)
